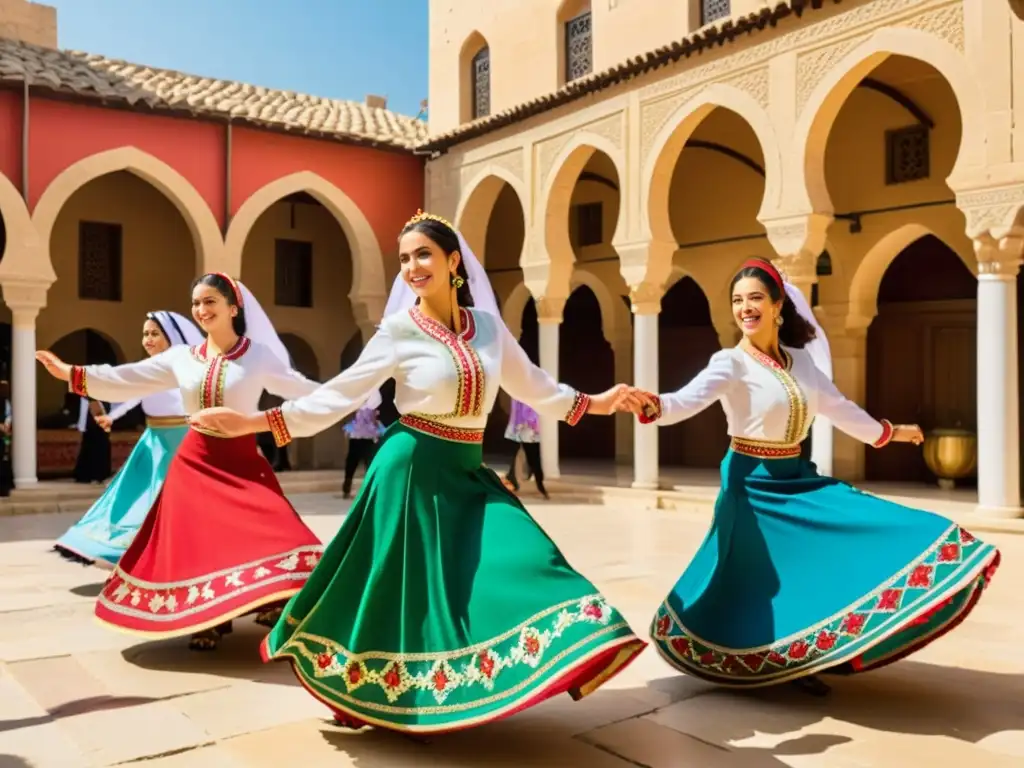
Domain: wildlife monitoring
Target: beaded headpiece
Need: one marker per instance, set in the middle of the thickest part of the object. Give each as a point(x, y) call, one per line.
point(421, 216)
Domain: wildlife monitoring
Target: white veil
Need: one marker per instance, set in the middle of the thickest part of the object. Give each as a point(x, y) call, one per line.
point(259, 328)
point(821, 354)
point(402, 297)
point(177, 328)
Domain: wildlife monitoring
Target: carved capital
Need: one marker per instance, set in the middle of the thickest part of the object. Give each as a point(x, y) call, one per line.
point(645, 298)
point(798, 239)
point(993, 209)
point(25, 298)
point(550, 309)
point(645, 267)
point(999, 258)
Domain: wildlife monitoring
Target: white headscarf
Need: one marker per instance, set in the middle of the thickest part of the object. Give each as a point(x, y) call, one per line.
point(258, 327)
point(176, 328)
point(403, 298)
point(821, 354)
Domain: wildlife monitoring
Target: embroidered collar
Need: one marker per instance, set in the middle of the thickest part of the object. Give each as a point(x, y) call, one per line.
point(442, 332)
point(240, 348)
point(768, 361)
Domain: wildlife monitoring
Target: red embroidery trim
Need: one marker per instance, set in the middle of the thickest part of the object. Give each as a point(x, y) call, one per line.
point(443, 431)
point(763, 449)
point(78, 383)
point(887, 433)
point(469, 401)
point(580, 405)
point(278, 427)
point(650, 416)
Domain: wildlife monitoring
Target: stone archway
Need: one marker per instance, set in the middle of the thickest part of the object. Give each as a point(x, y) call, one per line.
point(369, 288)
point(824, 102)
point(197, 215)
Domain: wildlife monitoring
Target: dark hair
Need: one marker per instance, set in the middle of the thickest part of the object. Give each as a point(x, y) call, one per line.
point(226, 289)
point(795, 331)
point(444, 237)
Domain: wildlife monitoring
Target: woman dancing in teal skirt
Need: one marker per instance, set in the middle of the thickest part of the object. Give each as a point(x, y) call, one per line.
point(801, 573)
point(106, 530)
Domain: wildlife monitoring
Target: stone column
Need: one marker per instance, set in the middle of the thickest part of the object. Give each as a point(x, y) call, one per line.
point(24, 299)
point(622, 348)
point(646, 305)
point(549, 319)
point(998, 387)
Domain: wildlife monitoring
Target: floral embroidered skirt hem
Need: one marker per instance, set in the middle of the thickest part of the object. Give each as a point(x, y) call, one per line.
point(801, 574)
point(103, 534)
point(220, 541)
point(441, 604)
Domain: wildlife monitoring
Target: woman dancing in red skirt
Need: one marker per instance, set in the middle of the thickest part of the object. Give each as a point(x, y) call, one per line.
point(221, 540)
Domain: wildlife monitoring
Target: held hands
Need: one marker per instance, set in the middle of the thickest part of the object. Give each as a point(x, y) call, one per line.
point(228, 422)
point(620, 398)
point(104, 422)
point(54, 365)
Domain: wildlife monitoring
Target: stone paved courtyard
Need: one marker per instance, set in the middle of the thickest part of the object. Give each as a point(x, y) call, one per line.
point(76, 695)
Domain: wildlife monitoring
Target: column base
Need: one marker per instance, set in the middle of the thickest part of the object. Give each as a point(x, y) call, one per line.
point(645, 485)
point(25, 482)
point(999, 513)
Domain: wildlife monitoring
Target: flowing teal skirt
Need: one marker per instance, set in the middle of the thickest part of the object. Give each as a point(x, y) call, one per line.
point(109, 526)
point(801, 573)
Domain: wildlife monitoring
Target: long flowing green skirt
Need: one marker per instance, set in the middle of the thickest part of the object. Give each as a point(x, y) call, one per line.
point(801, 573)
point(441, 603)
point(105, 531)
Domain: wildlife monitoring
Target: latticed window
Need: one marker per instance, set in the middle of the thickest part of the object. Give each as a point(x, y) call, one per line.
point(99, 261)
point(907, 154)
point(482, 83)
point(713, 10)
point(579, 47)
point(293, 273)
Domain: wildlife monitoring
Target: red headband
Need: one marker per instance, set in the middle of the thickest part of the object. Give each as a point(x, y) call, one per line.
point(234, 286)
point(768, 267)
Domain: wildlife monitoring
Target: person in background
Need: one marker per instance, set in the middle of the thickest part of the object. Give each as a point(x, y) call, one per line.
point(93, 463)
point(524, 430)
point(364, 430)
point(6, 471)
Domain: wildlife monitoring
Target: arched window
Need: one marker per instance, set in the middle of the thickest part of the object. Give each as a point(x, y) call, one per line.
point(480, 77)
point(579, 45)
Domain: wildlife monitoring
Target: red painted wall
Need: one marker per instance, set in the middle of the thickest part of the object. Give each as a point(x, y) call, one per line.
point(386, 186)
point(62, 133)
point(10, 136)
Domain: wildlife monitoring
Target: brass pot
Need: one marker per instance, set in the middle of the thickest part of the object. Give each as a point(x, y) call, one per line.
point(951, 455)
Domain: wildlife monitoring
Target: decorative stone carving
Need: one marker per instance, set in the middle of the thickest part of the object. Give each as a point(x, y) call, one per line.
point(511, 161)
point(754, 82)
point(802, 235)
point(608, 128)
point(946, 22)
point(547, 151)
point(991, 209)
point(999, 258)
point(812, 66)
point(653, 116)
point(549, 309)
point(861, 19)
point(645, 298)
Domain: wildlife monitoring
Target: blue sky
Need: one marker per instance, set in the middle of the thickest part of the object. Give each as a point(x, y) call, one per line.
point(338, 48)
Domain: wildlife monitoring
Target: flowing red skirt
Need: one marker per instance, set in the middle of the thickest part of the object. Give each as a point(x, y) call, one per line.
point(220, 541)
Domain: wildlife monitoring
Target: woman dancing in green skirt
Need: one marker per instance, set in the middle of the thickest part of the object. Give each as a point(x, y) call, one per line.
point(440, 604)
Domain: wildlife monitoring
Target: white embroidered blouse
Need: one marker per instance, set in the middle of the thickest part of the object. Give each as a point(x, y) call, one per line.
point(445, 383)
point(766, 402)
point(235, 379)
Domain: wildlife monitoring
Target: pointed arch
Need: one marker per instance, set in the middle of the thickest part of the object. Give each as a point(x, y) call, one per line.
point(24, 257)
point(822, 107)
point(472, 216)
point(368, 284)
point(614, 313)
point(670, 141)
point(193, 208)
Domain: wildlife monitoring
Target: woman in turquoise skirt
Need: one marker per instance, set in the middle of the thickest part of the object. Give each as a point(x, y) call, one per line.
point(106, 530)
point(801, 573)
point(441, 604)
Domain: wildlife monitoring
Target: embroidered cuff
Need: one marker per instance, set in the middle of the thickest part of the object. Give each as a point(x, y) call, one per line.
point(887, 432)
point(78, 383)
point(651, 415)
point(579, 407)
point(278, 428)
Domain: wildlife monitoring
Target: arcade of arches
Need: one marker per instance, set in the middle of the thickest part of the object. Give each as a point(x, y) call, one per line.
point(611, 249)
point(120, 246)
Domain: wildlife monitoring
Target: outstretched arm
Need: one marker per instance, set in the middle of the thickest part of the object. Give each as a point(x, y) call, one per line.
point(705, 388)
point(115, 382)
point(532, 385)
point(327, 404)
point(858, 423)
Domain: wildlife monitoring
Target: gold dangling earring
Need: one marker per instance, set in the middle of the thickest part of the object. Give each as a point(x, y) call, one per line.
point(457, 282)
point(778, 321)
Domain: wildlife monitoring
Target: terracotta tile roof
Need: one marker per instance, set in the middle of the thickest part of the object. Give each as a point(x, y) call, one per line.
point(708, 37)
point(91, 76)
